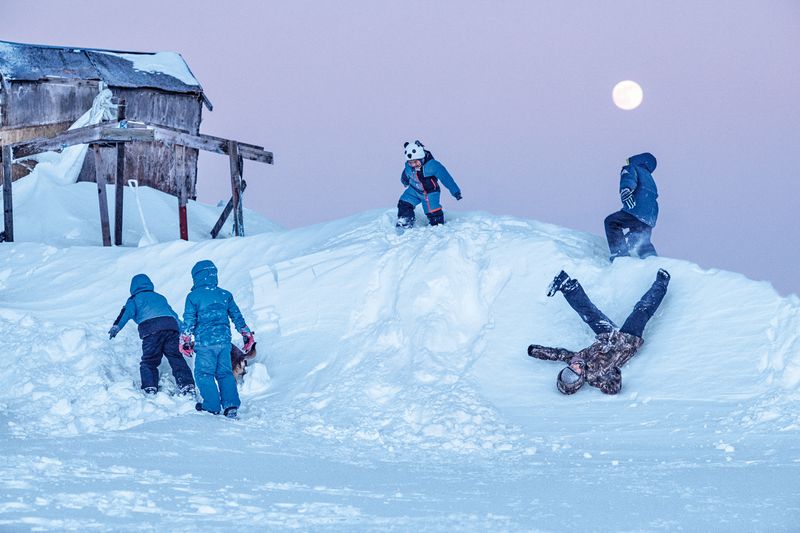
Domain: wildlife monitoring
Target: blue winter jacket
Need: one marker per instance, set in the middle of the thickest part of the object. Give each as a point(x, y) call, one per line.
point(637, 176)
point(427, 180)
point(209, 309)
point(147, 308)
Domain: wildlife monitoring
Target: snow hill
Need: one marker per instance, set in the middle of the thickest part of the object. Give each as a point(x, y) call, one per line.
point(379, 349)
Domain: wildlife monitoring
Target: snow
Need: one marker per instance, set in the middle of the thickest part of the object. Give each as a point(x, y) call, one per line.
point(169, 63)
point(392, 389)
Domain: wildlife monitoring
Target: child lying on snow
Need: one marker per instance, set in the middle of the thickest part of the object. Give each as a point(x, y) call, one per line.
point(158, 329)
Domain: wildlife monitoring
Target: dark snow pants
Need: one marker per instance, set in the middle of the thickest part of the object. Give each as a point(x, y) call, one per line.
point(158, 344)
point(637, 240)
point(600, 323)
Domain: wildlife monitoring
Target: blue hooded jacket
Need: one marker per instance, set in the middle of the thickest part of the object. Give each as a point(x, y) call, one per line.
point(427, 180)
point(637, 176)
point(147, 308)
point(209, 309)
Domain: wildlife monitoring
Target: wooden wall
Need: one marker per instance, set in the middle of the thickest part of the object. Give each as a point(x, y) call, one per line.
point(34, 109)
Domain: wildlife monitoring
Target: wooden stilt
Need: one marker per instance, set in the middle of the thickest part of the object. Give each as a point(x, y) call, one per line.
point(8, 203)
point(236, 188)
point(225, 214)
point(120, 180)
point(100, 173)
point(183, 191)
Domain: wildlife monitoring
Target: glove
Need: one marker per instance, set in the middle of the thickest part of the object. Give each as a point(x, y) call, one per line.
point(186, 346)
point(249, 340)
point(113, 331)
point(457, 195)
point(626, 195)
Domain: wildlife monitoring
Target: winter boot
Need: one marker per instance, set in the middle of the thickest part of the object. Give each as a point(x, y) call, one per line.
point(405, 215)
point(558, 283)
point(232, 412)
point(199, 407)
point(187, 390)
point(436, 218)
point(150, 391)
point(663, 276)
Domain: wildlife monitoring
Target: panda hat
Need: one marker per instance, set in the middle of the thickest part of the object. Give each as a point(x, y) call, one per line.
point(414, 150)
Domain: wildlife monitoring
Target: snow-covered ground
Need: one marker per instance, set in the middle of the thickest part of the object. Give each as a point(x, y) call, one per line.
point(392, 390)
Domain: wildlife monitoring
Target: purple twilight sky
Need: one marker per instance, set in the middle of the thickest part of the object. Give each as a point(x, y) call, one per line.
point(514, 97)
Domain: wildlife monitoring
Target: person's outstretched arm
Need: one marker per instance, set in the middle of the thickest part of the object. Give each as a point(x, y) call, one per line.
point(549, 354)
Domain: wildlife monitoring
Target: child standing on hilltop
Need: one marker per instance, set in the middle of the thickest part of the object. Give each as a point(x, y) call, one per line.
point(207, 315)
point(158, 329)
point(421, 177)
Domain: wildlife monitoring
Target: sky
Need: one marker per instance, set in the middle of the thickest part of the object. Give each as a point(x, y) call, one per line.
point(513, 97)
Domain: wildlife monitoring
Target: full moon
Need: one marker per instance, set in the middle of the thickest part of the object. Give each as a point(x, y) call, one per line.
point(627, 95)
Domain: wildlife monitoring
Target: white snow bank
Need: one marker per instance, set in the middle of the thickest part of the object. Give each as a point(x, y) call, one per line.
point(370, 339)
point(169, 63)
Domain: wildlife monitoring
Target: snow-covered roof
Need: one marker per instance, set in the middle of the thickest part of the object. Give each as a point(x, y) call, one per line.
point(161, 70)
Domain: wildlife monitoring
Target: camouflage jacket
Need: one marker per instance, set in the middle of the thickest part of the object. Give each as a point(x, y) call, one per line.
point(603, 358)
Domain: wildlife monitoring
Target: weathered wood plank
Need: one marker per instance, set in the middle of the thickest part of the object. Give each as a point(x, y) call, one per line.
point(183, 193)
point(86, 134)
point(225, 214)
point(210, 144)
point(236, 188)
point(8, 204)
point(101, 194)
point(119, 182)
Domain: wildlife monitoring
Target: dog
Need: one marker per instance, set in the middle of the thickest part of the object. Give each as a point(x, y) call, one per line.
point(239, 361)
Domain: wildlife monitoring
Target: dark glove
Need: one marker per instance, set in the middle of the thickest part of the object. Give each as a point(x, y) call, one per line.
point(626, 195)
point(249, 340)
point(113, 331)
point(457, 195)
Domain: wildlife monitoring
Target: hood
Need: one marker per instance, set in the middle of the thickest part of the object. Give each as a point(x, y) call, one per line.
point(140, 283)
point(204, 274)
point(646, 160)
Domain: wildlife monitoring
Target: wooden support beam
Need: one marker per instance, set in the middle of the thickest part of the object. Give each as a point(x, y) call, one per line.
point(100, 171)
point(236, 188)
point(210, 144)
point(183, 191)
point(225, 214)
point(8, 203)
point(105, 132)
point(119, 183)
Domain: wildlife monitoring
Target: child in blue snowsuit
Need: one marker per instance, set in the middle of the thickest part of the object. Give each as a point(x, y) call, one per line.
point(639, 195)
point(207, 315)
point(158, 329)
point(421, 177)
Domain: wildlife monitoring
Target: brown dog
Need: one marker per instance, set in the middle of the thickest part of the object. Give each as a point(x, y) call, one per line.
point(239, 361)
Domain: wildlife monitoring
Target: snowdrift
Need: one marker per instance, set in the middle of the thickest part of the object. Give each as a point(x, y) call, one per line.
point(372, 339)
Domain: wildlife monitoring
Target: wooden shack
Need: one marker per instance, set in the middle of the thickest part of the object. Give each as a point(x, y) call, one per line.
point(44, 89)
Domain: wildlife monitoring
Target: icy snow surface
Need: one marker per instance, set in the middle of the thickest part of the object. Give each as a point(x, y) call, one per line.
point(392, 389)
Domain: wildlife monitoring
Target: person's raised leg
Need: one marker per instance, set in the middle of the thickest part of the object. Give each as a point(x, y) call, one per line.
point(151, 358)
point(645, 308)
point(580, 302)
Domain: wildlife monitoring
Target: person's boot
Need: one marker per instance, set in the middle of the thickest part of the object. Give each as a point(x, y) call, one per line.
point(187, 390)
point(663, 276)
point(232, 412)
point(150, 391)
point(436, 218)
point(558, 283)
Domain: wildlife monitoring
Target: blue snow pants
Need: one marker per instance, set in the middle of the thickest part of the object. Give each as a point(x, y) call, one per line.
point(158, 344)
point(430, 204)
point(600, 323)
point(212, 367)
point(637, 239)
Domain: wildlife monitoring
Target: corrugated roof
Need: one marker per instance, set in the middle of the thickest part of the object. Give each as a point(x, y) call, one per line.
point(164, 70)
